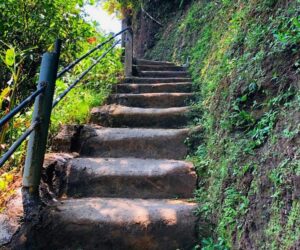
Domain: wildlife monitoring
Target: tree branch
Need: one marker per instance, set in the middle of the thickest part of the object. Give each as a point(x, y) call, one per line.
point(152, 18)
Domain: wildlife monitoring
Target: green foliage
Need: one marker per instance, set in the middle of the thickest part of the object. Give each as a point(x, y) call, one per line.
point(28, 29)
point(9, 96)
point(35, 25)
point(6, 180)
point(209, 244)
point(120, 7)
point(234, 206)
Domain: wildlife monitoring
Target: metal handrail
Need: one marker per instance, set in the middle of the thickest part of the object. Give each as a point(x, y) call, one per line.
point(17, 143)
point(22, 106)
point(73, 64)
point(63, 94)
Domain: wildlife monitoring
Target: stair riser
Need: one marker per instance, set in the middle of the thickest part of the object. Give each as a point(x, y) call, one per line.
point(83, 184)
point(161, 74)
point(142, 121)
point(137, 68)
point(154, 88)
point(156, 80)
point(167, 147)
point(159, 101)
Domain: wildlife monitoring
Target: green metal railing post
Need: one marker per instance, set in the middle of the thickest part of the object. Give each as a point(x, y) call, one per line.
point(42, 113)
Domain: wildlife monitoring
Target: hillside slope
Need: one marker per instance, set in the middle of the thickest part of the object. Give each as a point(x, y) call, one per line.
point(245, 63)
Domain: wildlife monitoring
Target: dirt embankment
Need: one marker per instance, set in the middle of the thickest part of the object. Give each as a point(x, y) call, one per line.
point(244, 59)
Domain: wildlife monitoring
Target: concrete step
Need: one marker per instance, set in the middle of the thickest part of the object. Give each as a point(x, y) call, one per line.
point(96, 141)
point(151, 100)
point(157, 80)
point(130, 178)
point(161, 74)
point(112, 223)
point(138, 68)
point(122, 116)
point(154, 88)
point(150, 62)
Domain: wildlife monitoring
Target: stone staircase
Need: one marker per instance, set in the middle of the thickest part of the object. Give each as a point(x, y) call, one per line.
point(129, 188)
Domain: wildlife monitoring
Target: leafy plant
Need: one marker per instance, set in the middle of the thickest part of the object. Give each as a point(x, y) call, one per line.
point(209, 244)
point(263, 128)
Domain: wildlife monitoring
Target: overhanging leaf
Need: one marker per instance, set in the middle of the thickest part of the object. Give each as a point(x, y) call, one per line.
point(10, 57)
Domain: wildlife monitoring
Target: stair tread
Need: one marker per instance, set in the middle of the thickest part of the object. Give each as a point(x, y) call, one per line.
point(131, 166)
point(115, 109)
point(163, 71)
point(159, 67)
point(188, 79)
point(130, 178)
point(123, 116)
point(133, 142)
point(152, 94)
point(125, 133)
point(180, 87)
point(151, 100)
point(151, 62)
point(162, 74)
point(157, 79)
point(124, 210)
point(155, 84)
point(119, 223)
